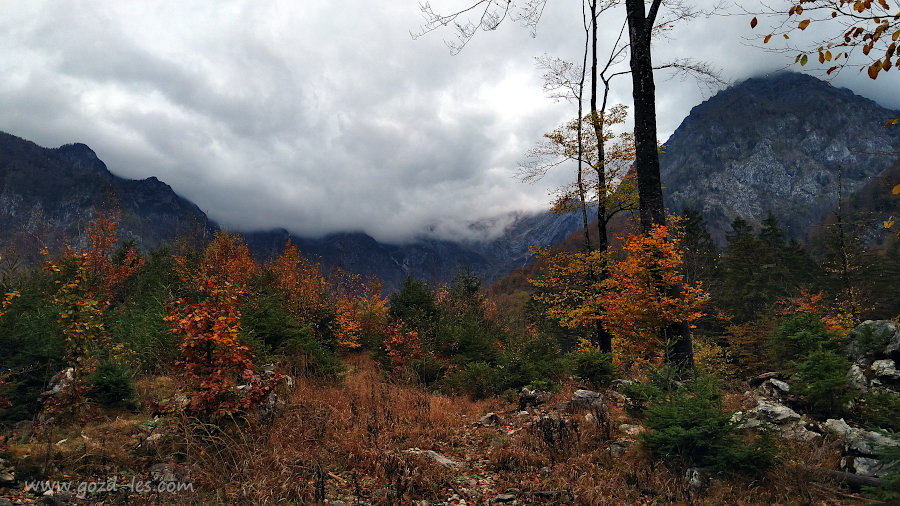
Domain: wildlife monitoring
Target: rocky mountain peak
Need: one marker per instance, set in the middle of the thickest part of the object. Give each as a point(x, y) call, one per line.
point(782, 143)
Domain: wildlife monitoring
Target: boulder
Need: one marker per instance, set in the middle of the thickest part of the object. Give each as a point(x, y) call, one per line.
point(772, 412)
point(528, 398)
point(885, 370)
point(885, 329)
point(435, 456)
point(587, 399)
point(860, 448)
point(489, 420)
point(856, 378)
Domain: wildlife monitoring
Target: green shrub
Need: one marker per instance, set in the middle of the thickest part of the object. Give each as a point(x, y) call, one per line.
point(428, 369)
point(690, 428)
point(112, 386)
point(799, 335)
point(880, 410)
point(477, 379)
point(594, 367)
point(822, 383)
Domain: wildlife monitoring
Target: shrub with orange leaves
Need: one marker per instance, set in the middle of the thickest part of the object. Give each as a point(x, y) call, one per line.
point(86, 281)
point(218, 372)
point(402, 345)
point(839, 316)
point(302, 285)
point(637, 299)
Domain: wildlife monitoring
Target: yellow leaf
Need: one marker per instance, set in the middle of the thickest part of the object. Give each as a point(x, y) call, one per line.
point(803, 24)
point(803, 60)
point(896, 190)
point(888, 223)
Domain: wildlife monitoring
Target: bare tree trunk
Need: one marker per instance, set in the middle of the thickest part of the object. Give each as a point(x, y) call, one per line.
point(649, 182)
point(604, 338)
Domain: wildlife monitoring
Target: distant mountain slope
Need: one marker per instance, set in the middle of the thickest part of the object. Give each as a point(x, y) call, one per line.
point(778, 143)
point(47, 196)
point(428, 259)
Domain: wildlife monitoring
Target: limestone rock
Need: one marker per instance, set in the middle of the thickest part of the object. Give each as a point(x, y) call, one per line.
point(885, 370)
point(587, 399)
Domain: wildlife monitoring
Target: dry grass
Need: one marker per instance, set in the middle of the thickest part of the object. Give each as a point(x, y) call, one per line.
point(349, 441)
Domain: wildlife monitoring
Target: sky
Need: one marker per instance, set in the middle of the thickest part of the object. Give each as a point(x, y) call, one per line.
point(320, 116)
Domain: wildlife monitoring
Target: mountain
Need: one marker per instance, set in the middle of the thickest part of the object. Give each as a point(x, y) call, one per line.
point(430, 259)
point(47, 196)
point(781, 144)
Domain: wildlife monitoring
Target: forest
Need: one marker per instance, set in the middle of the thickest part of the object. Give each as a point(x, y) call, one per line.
point(637, 362)
point(265, 382)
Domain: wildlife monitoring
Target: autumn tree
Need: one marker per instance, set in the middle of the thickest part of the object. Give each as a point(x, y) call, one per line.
point(637, 301)
point(218, 371)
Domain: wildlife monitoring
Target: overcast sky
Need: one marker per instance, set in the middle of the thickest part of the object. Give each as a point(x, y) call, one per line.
point(321, 116)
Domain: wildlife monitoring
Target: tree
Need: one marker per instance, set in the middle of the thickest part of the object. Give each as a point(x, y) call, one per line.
point(218, 371)
point(641, 24)
point(639, 299)
point(870, 27)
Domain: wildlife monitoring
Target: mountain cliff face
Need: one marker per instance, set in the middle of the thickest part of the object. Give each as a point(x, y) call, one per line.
point(47, 196)
point(779, 144)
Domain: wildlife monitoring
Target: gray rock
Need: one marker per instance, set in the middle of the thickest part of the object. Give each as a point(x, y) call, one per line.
point(587, 399)
point(7, 478)
point(504, 498)
point(772, 388)
point(773, 412)
point(5, 502)
point(867, 466)
point(528, 397)
point(698, 478)
point(859, 442)
point(886, 328)
point(435, 456)
point(618, 447)
point(885, 370)
point(798, 431)
point(857, 379)
point(489, 420)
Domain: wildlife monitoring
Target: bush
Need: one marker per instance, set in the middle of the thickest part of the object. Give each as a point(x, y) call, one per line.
point(880, 410)
point(690, 428)
point(822, 382)
point(477, 379)
point(799, 335)
point(594, 367)
point(112, 386)
point(427, 369)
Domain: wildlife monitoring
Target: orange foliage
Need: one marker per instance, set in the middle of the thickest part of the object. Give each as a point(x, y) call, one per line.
point(302, 285)
point(213, 360)
point(838, 317)
point(638, 301)
point(402, 345)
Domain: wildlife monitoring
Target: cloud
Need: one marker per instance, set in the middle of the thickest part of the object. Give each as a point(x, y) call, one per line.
point(316, 116)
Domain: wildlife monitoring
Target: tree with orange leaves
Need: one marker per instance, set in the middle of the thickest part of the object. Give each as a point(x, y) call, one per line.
point(637, 299)
point(219, 374)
